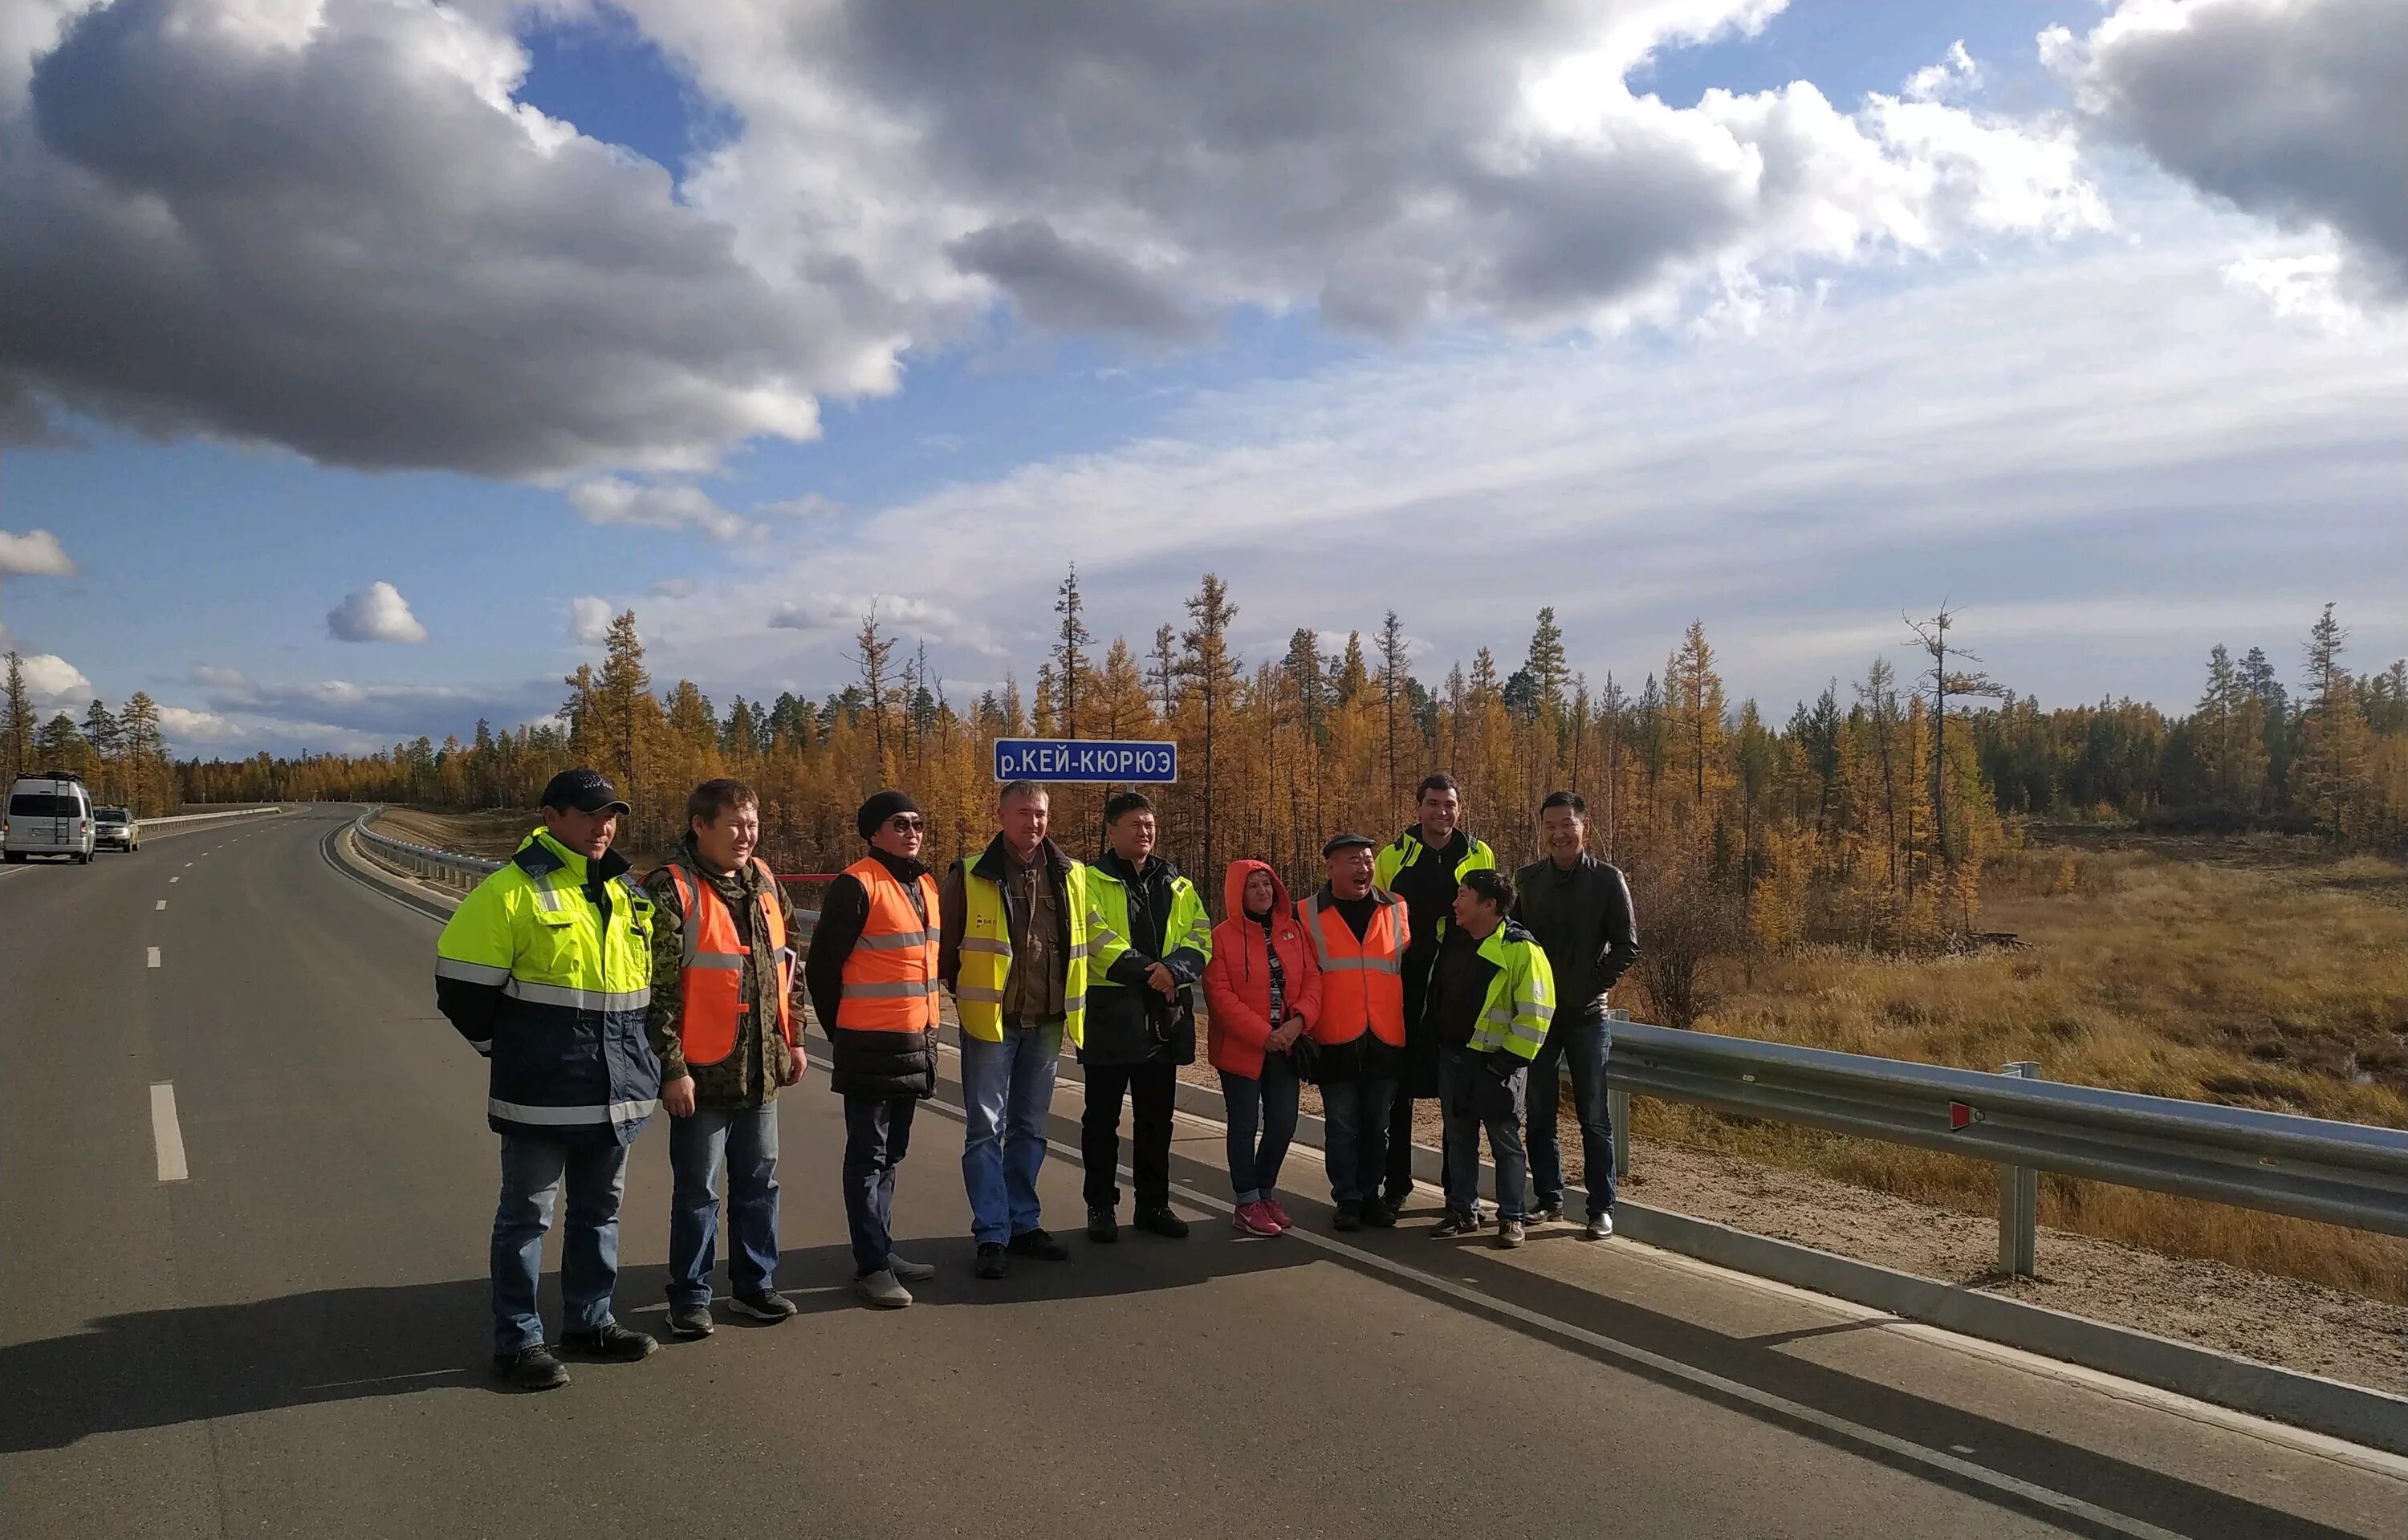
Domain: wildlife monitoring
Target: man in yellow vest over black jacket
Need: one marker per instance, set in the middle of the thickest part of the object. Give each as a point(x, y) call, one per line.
point(1422, 866)
point(1020, 938)
point(872, 975)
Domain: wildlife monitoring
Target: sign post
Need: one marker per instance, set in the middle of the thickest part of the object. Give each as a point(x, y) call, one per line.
point(1085, 760)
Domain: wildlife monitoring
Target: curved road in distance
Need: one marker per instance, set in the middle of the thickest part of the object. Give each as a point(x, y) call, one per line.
point(288, 1335)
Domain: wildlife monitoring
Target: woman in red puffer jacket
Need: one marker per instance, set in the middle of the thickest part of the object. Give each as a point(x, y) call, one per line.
point(1263, 988)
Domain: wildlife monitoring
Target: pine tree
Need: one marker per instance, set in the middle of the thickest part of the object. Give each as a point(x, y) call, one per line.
point(17, 731)
point(1164, 673)
point(1693, 695)
point(1311, 692)
point(1931, 635)
point(1211, 671)
point(1545, 665)
point(2331, 776)
point(873, 654)
point(147, 779)
point(1071, 640)
point(1393, 696)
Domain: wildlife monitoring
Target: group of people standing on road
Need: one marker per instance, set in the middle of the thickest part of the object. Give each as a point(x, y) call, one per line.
point(1416, 971)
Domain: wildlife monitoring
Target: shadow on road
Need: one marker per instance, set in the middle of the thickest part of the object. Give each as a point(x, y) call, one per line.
point(160, 1368)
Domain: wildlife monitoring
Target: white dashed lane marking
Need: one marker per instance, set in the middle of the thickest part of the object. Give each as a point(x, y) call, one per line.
point(163, 903)
point(154, 957)
point(167, 1134)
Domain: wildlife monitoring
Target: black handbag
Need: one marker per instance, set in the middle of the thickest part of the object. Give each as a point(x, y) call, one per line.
point(1304, 1057)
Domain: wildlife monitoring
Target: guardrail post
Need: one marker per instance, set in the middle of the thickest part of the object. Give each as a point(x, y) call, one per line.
point(1617, 1112)
point(2019, 1203)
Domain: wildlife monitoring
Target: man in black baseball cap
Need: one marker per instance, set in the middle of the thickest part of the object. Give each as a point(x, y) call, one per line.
point(583, 790)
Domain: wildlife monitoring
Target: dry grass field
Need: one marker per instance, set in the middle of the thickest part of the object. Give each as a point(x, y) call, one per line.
point(2256, 972)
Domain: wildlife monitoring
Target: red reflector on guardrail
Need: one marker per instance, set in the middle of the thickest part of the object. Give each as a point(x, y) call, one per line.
point(1960, 1115)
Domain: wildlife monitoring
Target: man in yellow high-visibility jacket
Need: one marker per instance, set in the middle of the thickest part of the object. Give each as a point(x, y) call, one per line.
point(1018, 942)
point(546, 968)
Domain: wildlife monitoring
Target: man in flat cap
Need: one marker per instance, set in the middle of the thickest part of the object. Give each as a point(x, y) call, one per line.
point(1359, 932)
point(873, 983)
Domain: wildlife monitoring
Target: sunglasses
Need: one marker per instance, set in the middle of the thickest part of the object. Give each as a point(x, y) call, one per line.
point(902, 821)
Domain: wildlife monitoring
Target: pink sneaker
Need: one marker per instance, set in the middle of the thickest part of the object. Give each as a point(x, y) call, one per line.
point(1255, 1219)
point(1278, 1214)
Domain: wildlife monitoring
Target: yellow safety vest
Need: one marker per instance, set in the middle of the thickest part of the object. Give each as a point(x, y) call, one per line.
point(986, 955)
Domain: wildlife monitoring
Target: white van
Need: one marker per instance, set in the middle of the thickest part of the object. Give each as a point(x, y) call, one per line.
point(49, 815)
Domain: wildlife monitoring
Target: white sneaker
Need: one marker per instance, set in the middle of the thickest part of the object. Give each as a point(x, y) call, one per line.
point(882, 1289)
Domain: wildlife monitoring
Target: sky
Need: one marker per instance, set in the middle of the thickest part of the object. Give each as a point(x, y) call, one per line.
point(360, 358)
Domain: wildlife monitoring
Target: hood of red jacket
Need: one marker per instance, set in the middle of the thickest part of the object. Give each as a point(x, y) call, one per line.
point(1233, 888)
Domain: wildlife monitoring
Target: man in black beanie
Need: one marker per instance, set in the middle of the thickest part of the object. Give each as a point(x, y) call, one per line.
point(872, 979)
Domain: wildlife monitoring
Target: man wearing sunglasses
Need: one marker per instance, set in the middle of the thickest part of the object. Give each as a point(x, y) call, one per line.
point(872, 979)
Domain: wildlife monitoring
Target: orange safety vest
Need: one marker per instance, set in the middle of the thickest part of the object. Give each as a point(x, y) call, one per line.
point(1362, 982)
point(710, 983)
point(890, 976)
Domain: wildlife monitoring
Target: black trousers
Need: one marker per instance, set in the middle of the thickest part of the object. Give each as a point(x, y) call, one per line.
point(1152, 1087)
point(1399, 1185)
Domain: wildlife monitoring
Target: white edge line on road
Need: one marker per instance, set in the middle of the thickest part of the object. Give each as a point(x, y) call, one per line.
point(1964, 1470)
point(154, 957)
point(167, 1134)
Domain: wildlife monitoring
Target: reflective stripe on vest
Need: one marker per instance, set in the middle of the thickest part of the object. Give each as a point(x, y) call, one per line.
point(1363, 982)
point(986, 956)
point(890, 975)
point(710, 981)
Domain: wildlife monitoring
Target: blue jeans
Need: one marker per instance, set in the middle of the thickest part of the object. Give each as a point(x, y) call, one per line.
point(533, 1171)
point(1471, 1096)
point(876, 1136)
point(1007, 1089)
point(1355, 1119)
point(1584, 1045)
point(1267, 1104)
point(745, 1140)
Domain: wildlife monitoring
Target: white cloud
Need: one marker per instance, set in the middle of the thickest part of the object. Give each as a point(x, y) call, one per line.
point(1954, 75)
point(377, 613)
point(221, 678)
point(2128, 416)
point(181, 725)
point(610, 500)
point(35, 553)
point(843, 612)
point(673, 588)
point(450, 279)
point(54, 681)
point(2288, 109)
point(810, 504)
point(589, 621)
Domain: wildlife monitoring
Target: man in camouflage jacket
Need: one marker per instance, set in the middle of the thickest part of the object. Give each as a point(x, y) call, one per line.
point(724, 1112)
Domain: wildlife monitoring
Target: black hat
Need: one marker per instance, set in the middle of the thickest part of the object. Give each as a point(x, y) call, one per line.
point(1345, 841)
point(879, 808)
point(584, 791)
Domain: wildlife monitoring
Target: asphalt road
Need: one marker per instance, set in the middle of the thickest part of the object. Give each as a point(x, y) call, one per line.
point(290, 1338)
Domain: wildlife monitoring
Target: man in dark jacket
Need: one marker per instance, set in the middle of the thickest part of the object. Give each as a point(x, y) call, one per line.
point(1141, 1024)
point(1579, 908)
point(875, 941)
point(720, 1076)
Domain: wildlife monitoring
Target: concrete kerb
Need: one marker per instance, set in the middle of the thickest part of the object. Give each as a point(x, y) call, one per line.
point(2355, 1413)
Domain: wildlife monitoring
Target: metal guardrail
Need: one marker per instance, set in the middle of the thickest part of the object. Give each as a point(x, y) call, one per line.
point(2311, 1168)
point(448, 867)
point(454, 870)
point(195, 818)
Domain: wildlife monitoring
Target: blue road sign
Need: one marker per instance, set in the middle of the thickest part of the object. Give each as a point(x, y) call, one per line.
point(1080, 759)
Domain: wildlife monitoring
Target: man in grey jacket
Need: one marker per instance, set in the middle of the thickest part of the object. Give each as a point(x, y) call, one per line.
point(1579, 908)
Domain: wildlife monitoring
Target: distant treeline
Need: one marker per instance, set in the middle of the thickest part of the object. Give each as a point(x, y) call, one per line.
point(1864, 814)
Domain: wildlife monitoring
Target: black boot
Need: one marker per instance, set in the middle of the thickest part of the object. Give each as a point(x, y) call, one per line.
point(1103, 1226)
point(1158, 1219)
